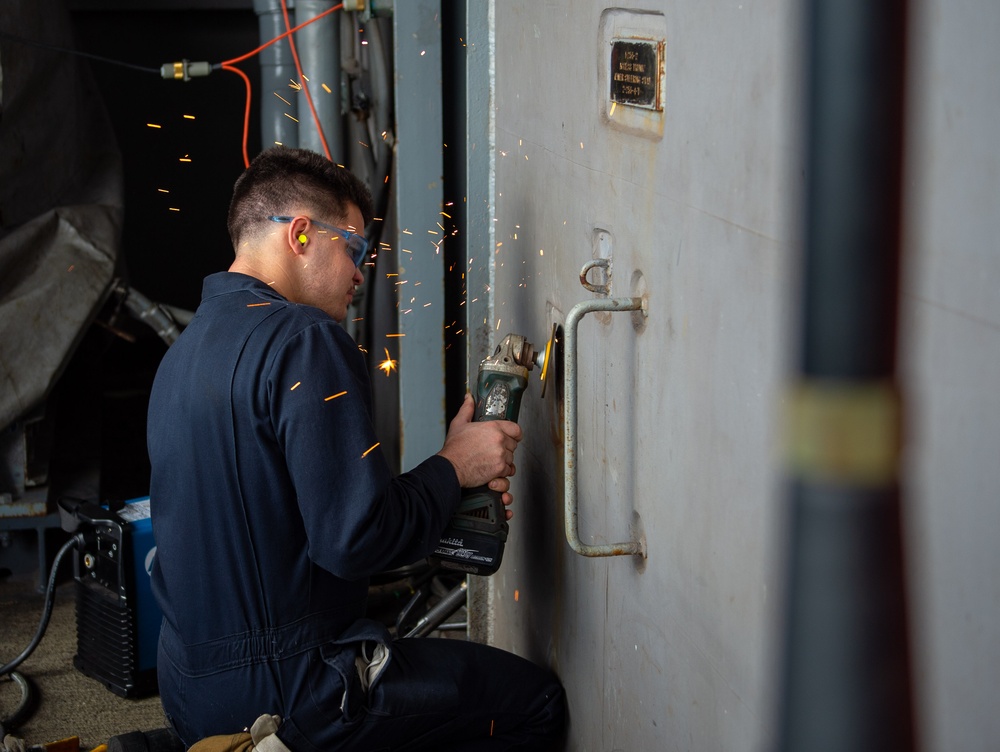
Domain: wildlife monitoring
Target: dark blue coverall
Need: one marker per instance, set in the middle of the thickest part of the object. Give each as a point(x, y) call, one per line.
point(271, 508)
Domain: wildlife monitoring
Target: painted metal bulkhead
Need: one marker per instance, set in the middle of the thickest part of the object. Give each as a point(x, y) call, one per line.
point(680, 427)
point(677, 411)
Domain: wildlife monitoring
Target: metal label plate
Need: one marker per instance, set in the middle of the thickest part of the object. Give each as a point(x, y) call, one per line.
point(634, 78)
point(632, 71)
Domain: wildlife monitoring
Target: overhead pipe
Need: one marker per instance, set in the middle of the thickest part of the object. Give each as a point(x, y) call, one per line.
point(846, 678)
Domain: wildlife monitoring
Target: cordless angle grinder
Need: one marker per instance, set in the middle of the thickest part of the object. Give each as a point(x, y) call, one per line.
point(474, 539)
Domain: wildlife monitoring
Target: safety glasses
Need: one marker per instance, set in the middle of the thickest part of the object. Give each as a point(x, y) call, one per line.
point(357, 246)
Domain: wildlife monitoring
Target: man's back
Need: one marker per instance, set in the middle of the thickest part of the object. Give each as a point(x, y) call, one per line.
point(262, 484)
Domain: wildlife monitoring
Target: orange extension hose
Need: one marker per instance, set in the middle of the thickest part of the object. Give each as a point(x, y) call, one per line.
point(229, 66)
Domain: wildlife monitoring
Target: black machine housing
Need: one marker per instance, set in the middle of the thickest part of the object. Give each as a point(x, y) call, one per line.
point(117, 619)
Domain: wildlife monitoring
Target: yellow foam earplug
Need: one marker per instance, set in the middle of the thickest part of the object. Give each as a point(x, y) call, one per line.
point(303, 239)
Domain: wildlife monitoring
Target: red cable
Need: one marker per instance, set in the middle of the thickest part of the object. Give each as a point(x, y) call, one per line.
point(228, 65)
point(278, 38)
point(246, 115)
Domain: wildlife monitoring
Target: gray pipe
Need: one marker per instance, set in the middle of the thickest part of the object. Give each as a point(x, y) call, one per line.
point(279, 110)
point(846, 680)
point(360, 146)
point(318, 45)
point(152, 314)
point(382, 96)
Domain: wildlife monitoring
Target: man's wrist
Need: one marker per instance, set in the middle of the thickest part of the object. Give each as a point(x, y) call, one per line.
point(454, 467)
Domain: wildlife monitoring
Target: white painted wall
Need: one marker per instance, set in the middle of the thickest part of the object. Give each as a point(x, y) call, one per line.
point(951, 317)
point(680, 422)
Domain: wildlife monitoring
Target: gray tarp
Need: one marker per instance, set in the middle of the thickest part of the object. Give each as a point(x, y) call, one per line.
point(61, 202)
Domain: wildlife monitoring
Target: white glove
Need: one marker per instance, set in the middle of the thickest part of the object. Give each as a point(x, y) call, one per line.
point(265, 738)
point(13, 744)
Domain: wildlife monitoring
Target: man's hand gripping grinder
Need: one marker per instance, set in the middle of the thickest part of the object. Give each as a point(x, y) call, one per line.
point(474, 539)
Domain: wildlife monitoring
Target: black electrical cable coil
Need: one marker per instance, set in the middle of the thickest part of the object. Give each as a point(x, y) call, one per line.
point(27, 697)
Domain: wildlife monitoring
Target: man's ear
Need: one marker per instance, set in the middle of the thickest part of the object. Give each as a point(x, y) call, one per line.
point(296, 238)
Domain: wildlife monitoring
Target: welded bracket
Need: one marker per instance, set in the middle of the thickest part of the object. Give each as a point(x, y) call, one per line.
point(628, 548)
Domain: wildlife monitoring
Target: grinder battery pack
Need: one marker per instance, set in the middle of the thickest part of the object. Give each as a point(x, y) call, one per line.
point(474, 539)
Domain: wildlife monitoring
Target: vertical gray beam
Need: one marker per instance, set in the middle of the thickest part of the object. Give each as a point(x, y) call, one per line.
point(480, 234)
point(481, 149)
point(419, 197)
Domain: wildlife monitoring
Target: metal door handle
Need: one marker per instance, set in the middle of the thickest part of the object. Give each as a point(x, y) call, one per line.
point(569, 435)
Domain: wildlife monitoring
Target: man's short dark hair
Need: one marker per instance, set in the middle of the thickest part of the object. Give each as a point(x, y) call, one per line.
point(281, 178)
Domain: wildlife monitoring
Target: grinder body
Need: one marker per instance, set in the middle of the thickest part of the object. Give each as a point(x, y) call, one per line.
point(474, 539)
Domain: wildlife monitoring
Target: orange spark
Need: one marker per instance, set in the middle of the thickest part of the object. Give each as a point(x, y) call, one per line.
point(255, 305)
point(370, 448)
point(295, 386)
point(388, 365)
